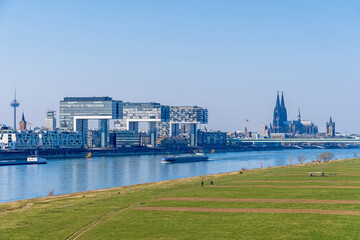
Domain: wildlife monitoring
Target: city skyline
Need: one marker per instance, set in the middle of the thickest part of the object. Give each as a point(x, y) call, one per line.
point(298, 117)
point(230, 58)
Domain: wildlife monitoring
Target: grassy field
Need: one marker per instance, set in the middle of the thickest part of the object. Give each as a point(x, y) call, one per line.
point(273, 203)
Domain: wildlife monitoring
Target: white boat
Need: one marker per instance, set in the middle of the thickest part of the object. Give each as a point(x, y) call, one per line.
point(36, 159)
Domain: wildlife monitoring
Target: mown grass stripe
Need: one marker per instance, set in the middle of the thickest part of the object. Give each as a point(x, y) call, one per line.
point(194, 199)
point(249, 210)
point(268, 181)
point(278, 186)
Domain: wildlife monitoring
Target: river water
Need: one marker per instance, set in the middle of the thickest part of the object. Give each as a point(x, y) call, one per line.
point(79, 174)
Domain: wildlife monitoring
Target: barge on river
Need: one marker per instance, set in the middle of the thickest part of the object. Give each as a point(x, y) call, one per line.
point(197, 157)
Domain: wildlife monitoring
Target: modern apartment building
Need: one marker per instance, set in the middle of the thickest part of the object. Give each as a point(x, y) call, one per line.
point(12, 139)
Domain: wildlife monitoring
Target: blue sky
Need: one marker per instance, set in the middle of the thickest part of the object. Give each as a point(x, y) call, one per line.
point(228, 56)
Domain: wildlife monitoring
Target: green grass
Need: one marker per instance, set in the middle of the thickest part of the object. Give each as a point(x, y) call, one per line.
point(111, 214)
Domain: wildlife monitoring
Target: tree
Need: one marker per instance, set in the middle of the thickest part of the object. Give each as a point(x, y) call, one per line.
point(291, 159)
point(328, 156)
point(319, 158)
point(355, 155)
point(325, 157)
point(301, 159)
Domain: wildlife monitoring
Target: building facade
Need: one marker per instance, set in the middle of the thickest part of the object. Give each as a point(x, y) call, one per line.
point(10, 139)
point(76, 111)
point(212, 139)
point(191, 116)
point(124, 138)
point(152, 113)
point(50, 121)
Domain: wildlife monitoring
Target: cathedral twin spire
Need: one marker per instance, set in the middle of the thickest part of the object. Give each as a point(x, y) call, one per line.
point(280, 106)
point(280, 113)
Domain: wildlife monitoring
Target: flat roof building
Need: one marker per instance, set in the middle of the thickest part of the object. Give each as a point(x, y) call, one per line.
point(50, 121)
point(76, 111)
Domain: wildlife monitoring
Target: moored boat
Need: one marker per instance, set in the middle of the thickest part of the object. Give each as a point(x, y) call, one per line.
point(89, 155)
point(34, 159)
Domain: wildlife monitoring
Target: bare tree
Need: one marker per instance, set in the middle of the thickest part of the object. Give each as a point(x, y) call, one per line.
point(301, 159)
point(319, 158)
point(328, 156)
point(325, 157)
point(291, 159)
point(355, 155)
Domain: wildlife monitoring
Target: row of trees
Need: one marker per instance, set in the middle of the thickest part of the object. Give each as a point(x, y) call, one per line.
point(323, 157)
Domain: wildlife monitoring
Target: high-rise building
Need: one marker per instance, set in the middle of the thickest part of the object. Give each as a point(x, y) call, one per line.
point(192, 116)
point(152, 113)
point(330, 128)
point(76, 111)
point(22, 123)
point(50, 121)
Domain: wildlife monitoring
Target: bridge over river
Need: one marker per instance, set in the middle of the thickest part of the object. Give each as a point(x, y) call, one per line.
point(298, 141)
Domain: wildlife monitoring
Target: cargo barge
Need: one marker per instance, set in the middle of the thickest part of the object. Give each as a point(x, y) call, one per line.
point(197, 157)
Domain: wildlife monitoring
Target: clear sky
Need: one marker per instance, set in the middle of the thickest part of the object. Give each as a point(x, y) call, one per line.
point(228, 56)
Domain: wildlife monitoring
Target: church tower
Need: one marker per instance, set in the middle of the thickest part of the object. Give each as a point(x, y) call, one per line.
point(23, 123)
point(330, 128)
point(277, 116)
point(283, 108)
point(280, 115)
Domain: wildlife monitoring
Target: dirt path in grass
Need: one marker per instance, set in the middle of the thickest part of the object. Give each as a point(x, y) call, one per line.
point(92, 224)
point(194, 199)
point(249, 210)
point(278, 186)
point(306, 174)
point(265, 181)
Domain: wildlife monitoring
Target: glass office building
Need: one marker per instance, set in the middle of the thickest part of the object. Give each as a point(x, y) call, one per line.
point(88, 108)
point(146, 112)
point(190, 115)
point(76, 111)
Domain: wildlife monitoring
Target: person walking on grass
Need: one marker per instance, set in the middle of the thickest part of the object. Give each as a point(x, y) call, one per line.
point(202, 183)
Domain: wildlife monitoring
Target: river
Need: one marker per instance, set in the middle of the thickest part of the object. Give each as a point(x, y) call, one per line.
point(79, 174)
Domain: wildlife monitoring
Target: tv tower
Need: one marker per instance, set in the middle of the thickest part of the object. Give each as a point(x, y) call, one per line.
point(14, 104)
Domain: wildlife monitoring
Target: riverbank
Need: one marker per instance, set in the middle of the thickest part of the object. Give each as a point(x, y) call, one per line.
point(278, 202)
point(53, 153)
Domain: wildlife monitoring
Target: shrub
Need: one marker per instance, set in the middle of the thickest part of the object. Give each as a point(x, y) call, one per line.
point(51, 193)
point(291, 159)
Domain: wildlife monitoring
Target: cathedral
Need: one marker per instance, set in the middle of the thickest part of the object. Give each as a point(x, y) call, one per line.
point(281, 124)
